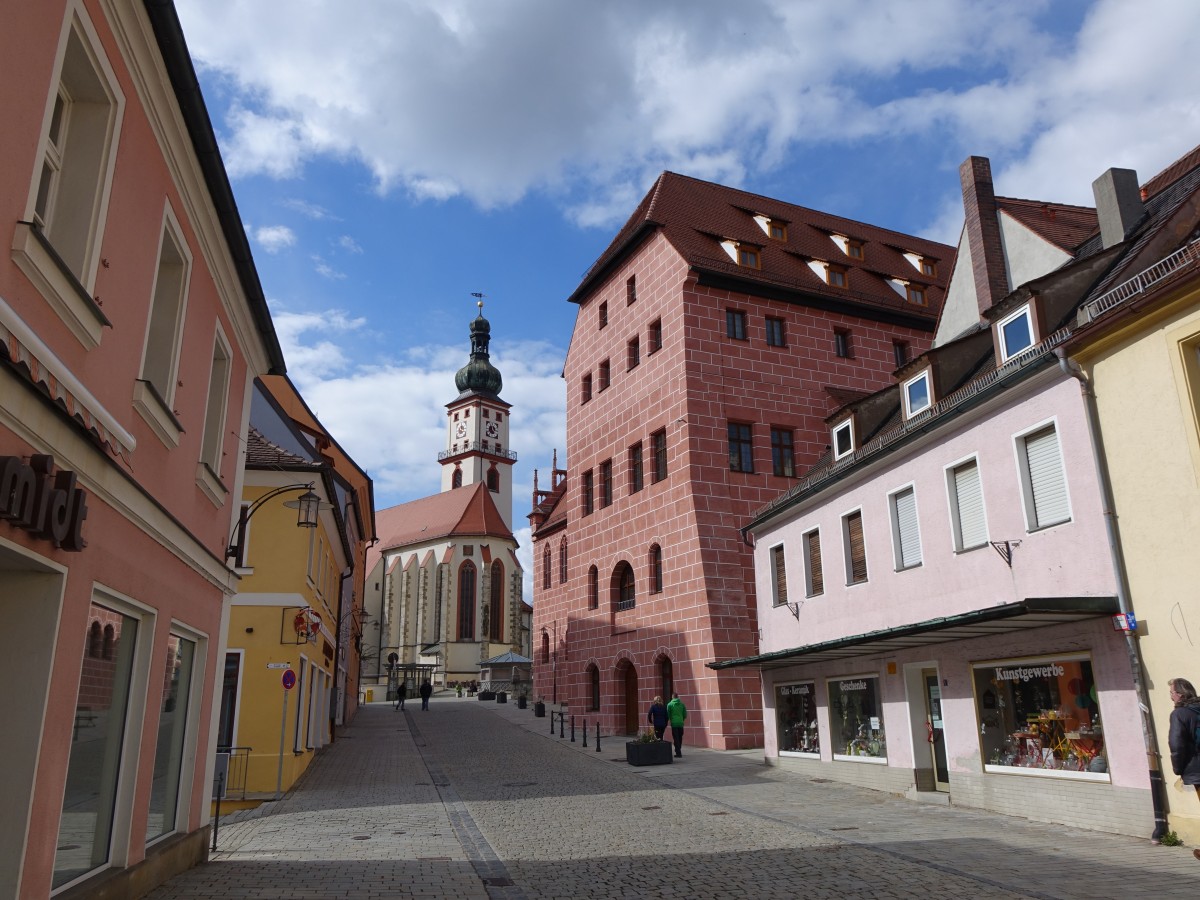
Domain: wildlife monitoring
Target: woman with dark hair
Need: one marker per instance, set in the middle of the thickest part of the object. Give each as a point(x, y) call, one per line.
point(1184, 739)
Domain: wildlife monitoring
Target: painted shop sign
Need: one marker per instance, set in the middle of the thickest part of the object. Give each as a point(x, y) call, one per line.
point(799, 689)
point(1024, 673)
point(47, 504)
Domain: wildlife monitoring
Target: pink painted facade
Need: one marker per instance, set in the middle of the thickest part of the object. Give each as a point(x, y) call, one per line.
point(673, 541)
point(132, 325)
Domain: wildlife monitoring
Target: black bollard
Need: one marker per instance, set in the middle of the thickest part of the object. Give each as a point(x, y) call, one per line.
point(217, 817)
point(597, 737)
point(551, 723)
point(572, 729)
point(585, 733)
point(561, 724)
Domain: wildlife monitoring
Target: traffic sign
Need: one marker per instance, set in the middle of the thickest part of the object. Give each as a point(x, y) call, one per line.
point(283, 665)
point(289, 680)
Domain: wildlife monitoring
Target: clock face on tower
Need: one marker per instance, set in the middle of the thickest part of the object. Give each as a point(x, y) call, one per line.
point(492, 429)
point(460, 430)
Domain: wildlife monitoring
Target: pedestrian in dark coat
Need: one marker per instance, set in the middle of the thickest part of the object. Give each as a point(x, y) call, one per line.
point(657, 717)
point(1184, 737)
point(401, 693)
point(426, 693)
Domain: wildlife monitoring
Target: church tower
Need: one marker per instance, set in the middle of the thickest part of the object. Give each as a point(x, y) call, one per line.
point(477, 423)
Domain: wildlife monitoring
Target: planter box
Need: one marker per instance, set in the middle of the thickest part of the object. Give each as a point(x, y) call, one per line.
point(539, 710)
point(521, 702)
point(655, 753)
point(487, 695)
point(501, 696)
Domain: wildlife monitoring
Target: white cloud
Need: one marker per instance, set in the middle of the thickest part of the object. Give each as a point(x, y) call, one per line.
point(309, 210)
point(349, 244)
point(441, 98)
point(325, 270)
point(274, 238)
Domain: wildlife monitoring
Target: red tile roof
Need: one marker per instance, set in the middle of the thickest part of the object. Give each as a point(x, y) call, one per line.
point(1173, 172)
point(696, 216)
point(463, 512)
point(1062, 225)
point(264, 454)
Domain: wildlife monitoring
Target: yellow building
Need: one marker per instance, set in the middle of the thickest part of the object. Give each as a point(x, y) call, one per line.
point(1137, 341)
point(294, 616)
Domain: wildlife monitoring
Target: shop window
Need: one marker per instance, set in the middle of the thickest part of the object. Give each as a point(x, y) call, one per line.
point(94, 766)
point(856, 719)
point(778, 576)
point(814, 578)
point(796, 718)
point(783, 456)
point(1043, 482)
point(635, 468)
point(1041, 714)
point(172, 727)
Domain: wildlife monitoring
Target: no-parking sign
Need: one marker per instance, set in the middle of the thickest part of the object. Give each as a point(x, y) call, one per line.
point(289, 680)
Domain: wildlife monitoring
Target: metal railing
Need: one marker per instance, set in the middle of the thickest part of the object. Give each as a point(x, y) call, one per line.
point(235, 778)
point(1185, 256)
point(477, 445)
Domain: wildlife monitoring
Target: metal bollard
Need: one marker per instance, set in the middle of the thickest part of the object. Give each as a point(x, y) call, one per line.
point(217, 817)
point(585, 733)
point(551, 723)
point(597, 737)
point(572, 729)
point(561, 720)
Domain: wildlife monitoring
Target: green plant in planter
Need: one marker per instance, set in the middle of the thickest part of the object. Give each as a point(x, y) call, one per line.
point(645, 737)
point(1171, 839)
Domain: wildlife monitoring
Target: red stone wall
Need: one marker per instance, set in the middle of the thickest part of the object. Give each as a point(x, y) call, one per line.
point(693, 387)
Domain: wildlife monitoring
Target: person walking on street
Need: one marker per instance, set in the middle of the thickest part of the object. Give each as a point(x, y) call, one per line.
point(677, 714)
point(657, 717)
point(401, 693)
point(1184, 737)
point(426, 693)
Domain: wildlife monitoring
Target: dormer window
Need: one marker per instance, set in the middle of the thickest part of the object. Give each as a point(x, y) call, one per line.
point(915, 293)
point(843, 439)
point(928, 267)
point(917, 396)
point(835, 276)
point(748, 256)
point(1015, 333)
point(854, 249)
point(775, 229)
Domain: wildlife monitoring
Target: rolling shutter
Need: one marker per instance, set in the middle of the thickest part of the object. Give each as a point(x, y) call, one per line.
point(968, 491)
point(816, 579)
point(856, 548)
point(1047, 483)
point(777, 563)
point(908, 538)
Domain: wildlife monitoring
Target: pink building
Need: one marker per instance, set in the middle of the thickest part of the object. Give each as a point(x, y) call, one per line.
point(937, 596)
point(132, 325)
point(713, 337)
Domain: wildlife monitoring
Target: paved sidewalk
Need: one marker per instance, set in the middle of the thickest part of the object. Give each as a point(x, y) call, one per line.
point(476, 799)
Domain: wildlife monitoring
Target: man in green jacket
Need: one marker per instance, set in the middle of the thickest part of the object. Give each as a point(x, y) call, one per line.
point(677, 715)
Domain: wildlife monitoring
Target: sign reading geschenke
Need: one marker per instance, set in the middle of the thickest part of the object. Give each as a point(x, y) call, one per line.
point(43, 502)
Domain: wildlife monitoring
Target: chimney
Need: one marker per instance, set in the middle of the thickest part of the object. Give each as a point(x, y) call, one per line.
point(1118, 204)
point(983, 232)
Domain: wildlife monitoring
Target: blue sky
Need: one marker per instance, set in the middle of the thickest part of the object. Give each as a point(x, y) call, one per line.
point(391, 158)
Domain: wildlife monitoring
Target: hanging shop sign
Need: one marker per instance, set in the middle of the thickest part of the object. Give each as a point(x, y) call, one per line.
point(43, 502)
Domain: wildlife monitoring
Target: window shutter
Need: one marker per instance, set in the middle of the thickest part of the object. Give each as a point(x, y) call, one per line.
point(1046, 480)
point(777, 562)
point(909, 538)
point(972, 527)
point(857, 548)
point(816, 579)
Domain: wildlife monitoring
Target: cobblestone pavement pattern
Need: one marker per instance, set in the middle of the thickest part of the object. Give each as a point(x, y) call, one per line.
point(478, 800)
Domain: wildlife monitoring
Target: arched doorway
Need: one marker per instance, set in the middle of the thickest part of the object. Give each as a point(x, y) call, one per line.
point(628, 679)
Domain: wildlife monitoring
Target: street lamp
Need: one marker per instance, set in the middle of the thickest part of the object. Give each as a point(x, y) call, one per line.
point(307, 505)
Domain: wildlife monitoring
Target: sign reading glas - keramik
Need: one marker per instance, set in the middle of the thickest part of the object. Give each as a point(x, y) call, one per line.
point(47, 504)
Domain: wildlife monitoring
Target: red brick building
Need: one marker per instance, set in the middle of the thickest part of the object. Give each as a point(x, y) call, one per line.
point(714, 337)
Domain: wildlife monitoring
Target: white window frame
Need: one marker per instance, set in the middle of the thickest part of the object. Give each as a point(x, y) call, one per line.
point(68, 284)
point(847, 554)
point(909, 409)
point(808, 573)
point(896, 506)
point(1026, 477)
point(778, 559)
point(216, 412)
point(848, 426)
point(954, 504)
point(1005, 353)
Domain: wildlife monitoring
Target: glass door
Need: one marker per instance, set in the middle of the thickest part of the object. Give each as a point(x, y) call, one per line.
point(934, 730)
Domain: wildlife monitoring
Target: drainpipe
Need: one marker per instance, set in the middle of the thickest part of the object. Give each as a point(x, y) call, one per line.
point(1158, 791)
point(337, 654)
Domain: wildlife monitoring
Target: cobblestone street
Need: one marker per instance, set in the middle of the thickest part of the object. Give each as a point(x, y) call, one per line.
point(475, 799)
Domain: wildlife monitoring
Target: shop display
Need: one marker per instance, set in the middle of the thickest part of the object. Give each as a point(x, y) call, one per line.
point(796, 718)
point(856, 718)
point(1040, 715)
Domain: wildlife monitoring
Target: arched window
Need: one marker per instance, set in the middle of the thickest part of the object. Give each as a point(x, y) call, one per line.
point(493, 479)
point(546, 568)
point(496, 612)
point(466, 602)
point(110, 642)
point(667, 675)
point(594, 682)
point(95, 641)
point(623, 583)
point(593, 588)
point(545, 648)
point(456, 481)
point(562, 561)
point(656, 581)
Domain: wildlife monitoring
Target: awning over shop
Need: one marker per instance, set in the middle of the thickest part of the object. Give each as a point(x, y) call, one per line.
point(1033, 612)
